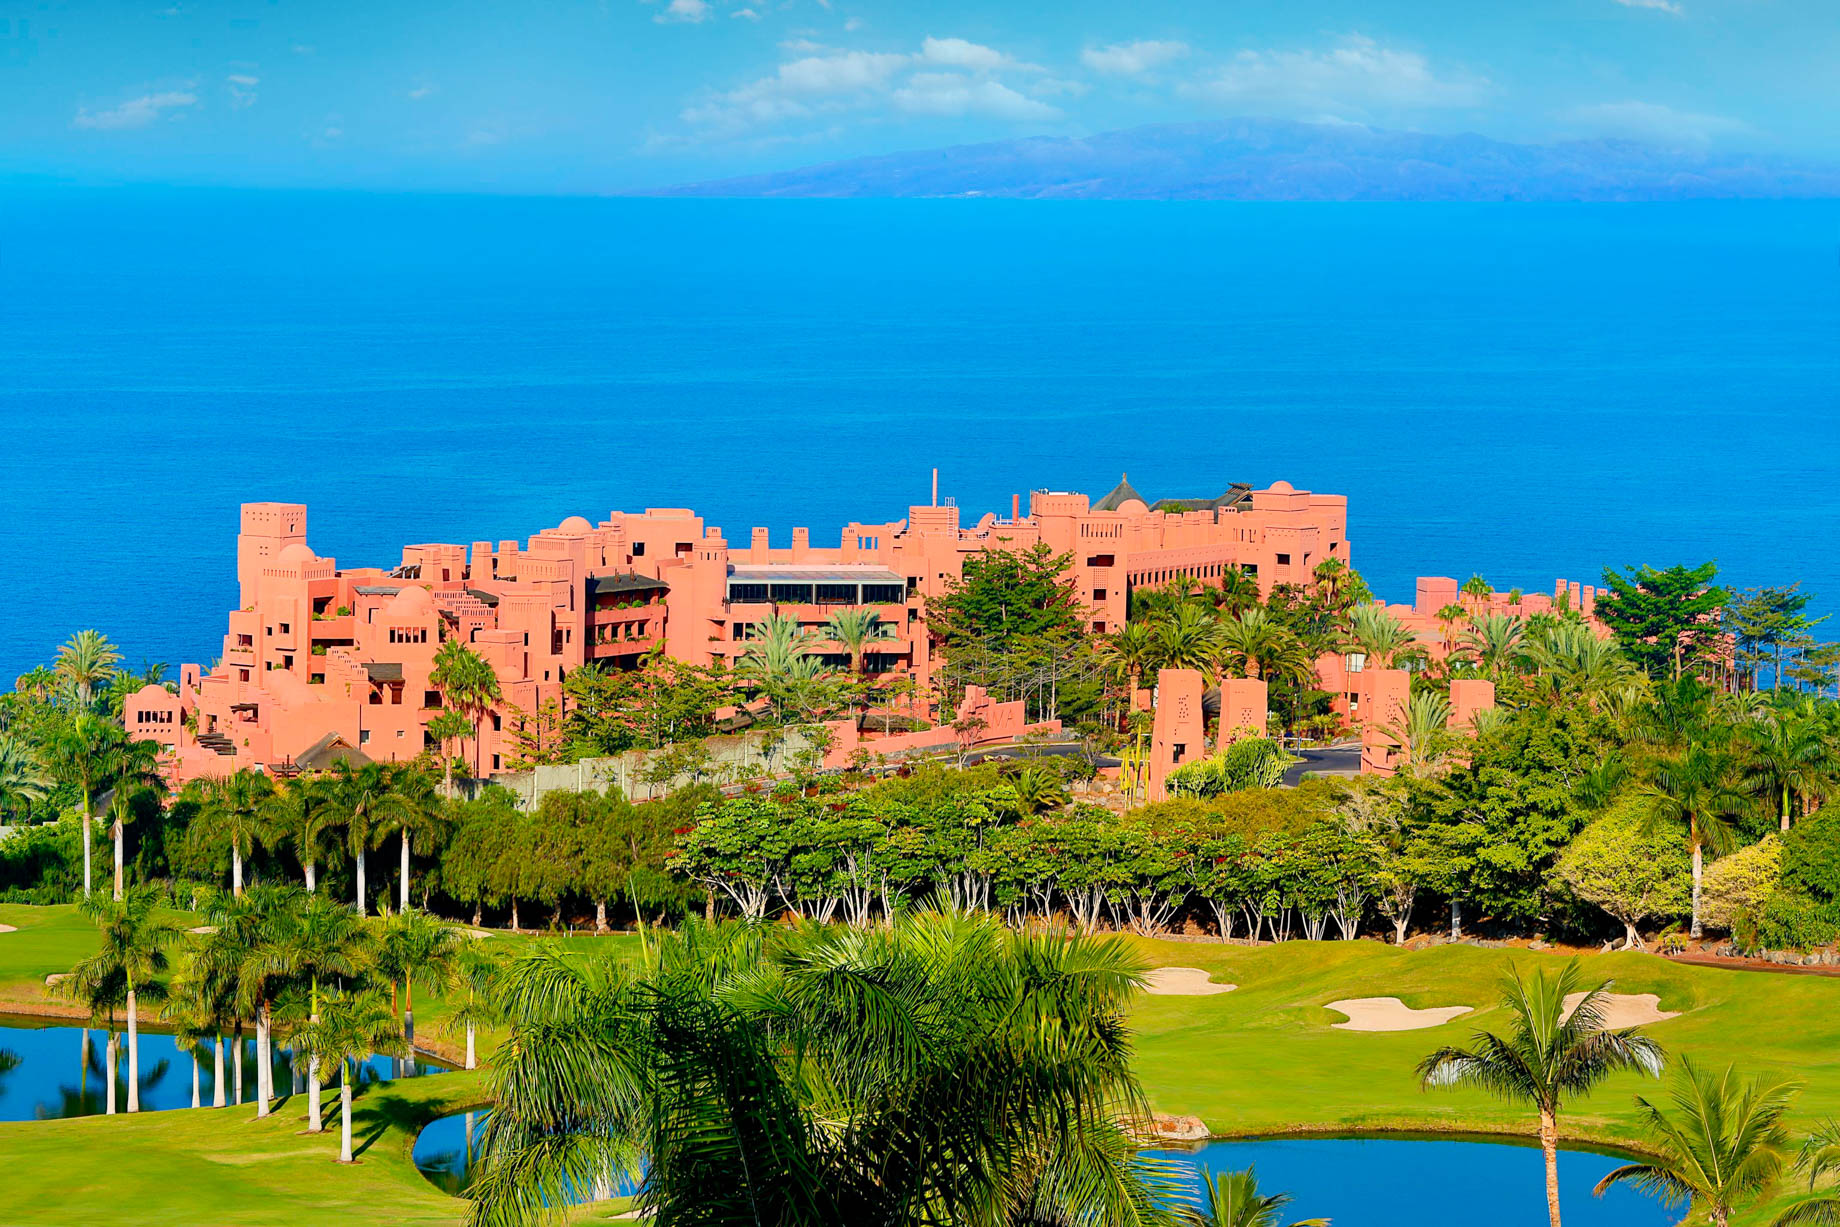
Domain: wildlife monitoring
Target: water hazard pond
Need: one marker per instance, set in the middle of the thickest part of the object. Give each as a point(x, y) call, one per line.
point(1407, 1181)
point(50, 1070)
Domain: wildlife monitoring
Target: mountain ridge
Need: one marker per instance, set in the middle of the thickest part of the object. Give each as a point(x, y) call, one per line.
point(1278, 160)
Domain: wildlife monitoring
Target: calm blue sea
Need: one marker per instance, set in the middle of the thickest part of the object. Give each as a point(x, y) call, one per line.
point(1523, 390)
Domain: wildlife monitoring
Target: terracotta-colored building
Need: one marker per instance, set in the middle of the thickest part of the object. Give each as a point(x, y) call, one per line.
point(317, 655)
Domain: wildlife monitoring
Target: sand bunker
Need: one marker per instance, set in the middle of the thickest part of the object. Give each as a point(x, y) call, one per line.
point(1391, 1014)
point(1183, 982)
point(9, 929)
point(1625, 1009)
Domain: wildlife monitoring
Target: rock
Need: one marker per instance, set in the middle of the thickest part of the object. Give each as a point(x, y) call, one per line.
point(1167, 1127)
point(1537, 944)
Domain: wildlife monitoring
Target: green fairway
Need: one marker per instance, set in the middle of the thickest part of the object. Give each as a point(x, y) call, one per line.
point(1262, 1059)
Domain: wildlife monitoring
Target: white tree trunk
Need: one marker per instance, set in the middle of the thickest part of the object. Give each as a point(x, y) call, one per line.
point(360, 881)
point(236, 869)
point(312, 876)
point(197, 1079)
point(344, 1112)
point(217, 1071)
point(264, 1073)
point(315, 1123)
point(87, 840)
point(471, 1063)
point(1699, 868)
point(118, 859)
point(110, 1069)
point(134, 1054)
point(236, 1067)
point(1456, 920)
point(404, 905)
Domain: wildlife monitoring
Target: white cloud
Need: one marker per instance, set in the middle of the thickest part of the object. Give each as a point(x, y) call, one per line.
point(684, 11)
point(423, 91)
point(852, 24)
point(950, 93)
point(1131, 59)
point(828, 85)
point(1653, 122)
point(1356, 79)
point(1659, 6)
point(303, 49)
point(136, 112)
point(242, 89)
point(749, 14)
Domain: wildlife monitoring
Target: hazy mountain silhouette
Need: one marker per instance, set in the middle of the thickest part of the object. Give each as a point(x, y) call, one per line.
point(1264, 159)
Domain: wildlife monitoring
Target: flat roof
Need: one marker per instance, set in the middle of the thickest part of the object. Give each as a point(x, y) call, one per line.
point(625, 581)
point(384, 672)
point(843, 573)
point(377, 589)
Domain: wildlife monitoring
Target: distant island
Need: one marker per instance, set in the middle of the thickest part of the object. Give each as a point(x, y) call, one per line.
point(1265, 159)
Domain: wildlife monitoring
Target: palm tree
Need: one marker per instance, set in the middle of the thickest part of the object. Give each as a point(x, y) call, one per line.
point(1037, 789)
point(364, 799)
point(317, 942)
point(1381, 637)
point(133, 955)
point(1820, 1158)
point(234, 810)
point(1784, 756)
point(194, 1016)
point(37, 683)
point(1493, 642)
point(1132, 650)
point(418, 813)
point(420, 947)
point(1572, 661)
point(1185, 639)
point(855, 630)
point(1425, 736)
point(23, 782)
point(1548, 1057)
point(1239, 591)
point(88, 660)
point(1232, 1199)
point(1721, 1147)
point(1251, 643)
point(474, 978)
point(125, 805)
point(1447, 618)
point(447, 728)
point(469, 683)
point(1695, 789)
point(353, 1026)
point(1476, 592)
point(132, 768)
point(261, 981)
point(940, 1069)
point(301, 811)
point(76, 752)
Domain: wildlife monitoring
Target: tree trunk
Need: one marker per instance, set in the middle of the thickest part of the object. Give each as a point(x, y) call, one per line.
point(134, 1053)
point(264, 1071)
point(1549, 1143)
point(479, 913)
point(87, 840)
point(118, 854)
point(236, 1049)
point(197, 1079)
point(1399, 929)
point(236, 870)
point(312, 869)
point(514, 914)
point(1694, 931)
point(217, 1070)
point(1785, 808)
point(109, 1068)
point(1456, 919)
point(360, 881)
point(315, 1122)
point(344, 1111)
point(1631, 939)
point(405, 871)
point(471, 1061)
point(409, 1010)
point(600, 915)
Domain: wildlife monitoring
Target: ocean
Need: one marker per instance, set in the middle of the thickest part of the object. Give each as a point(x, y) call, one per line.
point(1525, 391)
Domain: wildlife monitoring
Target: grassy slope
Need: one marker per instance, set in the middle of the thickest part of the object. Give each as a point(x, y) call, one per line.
point(1262, 1059)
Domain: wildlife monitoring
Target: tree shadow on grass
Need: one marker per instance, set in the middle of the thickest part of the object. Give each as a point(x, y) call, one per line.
point(379, 1111)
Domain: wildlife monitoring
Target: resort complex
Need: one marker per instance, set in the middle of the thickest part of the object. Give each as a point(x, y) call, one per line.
point(320, 661)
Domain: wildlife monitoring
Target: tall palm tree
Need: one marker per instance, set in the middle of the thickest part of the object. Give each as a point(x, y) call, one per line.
point(1493, 643)
point(352, 1026)
point(194, 1018)
point(131, 767)
point(1572, 661)
point(261, 981)
point(469, 683)
point(941, 1070)
point(1695, 790)
point(234, 810)
point(301, 811)
point(133, 954)
point(1548, 1057)
point(125, 805)
point(1239, 591)
point(1250, 643)
point(419, 814)
point(473, 995)
point(1476, 592)
point(1132, 650)
point(1784, 756)
point(1425, 735)
point(76, 752)
point(1382, 638)
point(1185, 639)
point(423, 948)
point(365, 800)
point(87, 661)
point(855, 630)
point(1447, 618)
point(1820, 1159)
point(23, 781)
point(1232, 1199)
point(319, 943)
point(1722, 1146)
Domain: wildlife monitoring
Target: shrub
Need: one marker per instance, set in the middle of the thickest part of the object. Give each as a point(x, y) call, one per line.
point(1740, 883)
point(1631, 871)
point(1811, 857)
point(1787, 922)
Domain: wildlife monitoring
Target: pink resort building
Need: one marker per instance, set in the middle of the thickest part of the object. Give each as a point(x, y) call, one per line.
point(317, 655)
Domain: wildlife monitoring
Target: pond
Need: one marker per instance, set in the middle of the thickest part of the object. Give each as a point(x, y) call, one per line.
point(1430, 1181)
point(50, 1070)
point(1396, 1181)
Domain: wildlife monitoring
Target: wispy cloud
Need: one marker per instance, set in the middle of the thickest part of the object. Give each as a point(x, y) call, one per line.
point(1356, 79)
point(1656, 123)
point(1659, 6)
point(950, 93)
point(1132, 59)
point(135, 112)
point(242, 86)
point(684, 11)
point(423, 91)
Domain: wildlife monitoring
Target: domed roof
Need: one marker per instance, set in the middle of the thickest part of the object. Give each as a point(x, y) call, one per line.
point(1132, 507)
point(294, 554)
point(410, 603)
point(575, 524)
point(1282, 487)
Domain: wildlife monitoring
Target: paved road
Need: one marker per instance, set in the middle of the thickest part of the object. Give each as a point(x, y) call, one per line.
point(1343, 758)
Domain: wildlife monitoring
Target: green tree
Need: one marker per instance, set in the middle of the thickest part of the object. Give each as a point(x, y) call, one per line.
point(855, 630)
point(317, 942)
point(1694, 790)
point(472, 995)
point(424, 949)
point(301, 811)
point(1722, 1146)
point(1232, 1199)
point(1629, 867)
point(233, 810)
point(133, 955)
point(447, 728)
point(1787, 756)
point(85, 662)
point(469, 684)
point(23, 782)
point(1660, 617)
point(1549, 1055)
point(77, 752)
point(353, 1026)
point(1768, 623)
point(366, 801)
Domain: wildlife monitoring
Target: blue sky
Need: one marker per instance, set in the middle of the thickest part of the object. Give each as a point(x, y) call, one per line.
point(602, 95)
